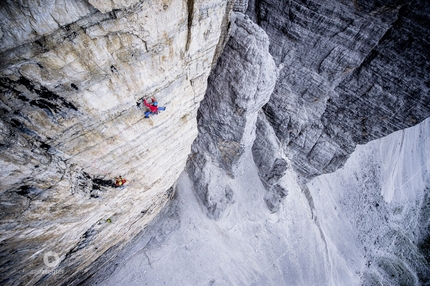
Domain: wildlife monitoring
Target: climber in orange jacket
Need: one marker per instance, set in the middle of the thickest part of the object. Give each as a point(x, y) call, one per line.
point(120, 181)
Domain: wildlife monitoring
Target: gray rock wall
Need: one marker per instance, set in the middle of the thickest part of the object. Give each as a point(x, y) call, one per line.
point(238, 87)
point(350, 72)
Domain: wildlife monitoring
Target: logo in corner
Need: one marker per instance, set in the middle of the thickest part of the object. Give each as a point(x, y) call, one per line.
point(51, 259)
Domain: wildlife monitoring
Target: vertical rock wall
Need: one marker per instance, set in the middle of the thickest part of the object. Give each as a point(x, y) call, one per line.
point(73, 75)
point(349, 72)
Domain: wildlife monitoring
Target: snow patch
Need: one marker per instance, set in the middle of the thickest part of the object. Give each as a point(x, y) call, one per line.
point(338, 229)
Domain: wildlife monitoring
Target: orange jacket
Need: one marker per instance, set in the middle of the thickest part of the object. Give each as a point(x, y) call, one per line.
point(120, 181)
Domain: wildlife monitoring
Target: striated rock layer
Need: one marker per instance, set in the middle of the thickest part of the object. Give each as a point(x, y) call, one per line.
point(350, 72)
point(73, 74)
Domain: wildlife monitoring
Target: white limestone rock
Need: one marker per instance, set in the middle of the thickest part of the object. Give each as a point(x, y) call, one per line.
point(72, 120)
point(26, 21)
point(105, 6)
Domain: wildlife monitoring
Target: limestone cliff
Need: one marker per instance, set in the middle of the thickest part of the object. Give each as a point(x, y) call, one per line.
point(73, 75)
point(337, 229)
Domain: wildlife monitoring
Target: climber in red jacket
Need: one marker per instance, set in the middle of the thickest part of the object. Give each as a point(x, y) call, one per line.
point(153, 107)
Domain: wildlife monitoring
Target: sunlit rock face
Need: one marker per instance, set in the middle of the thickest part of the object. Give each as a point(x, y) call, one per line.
point(350, 72)
point(73, 74)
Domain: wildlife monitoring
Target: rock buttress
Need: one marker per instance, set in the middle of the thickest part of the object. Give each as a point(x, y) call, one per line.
point(238, 87)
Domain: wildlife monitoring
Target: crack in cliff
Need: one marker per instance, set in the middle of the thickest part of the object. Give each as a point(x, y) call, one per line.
point(225, 31)
point(190, 10)
point(48, 100)
point(84, 240)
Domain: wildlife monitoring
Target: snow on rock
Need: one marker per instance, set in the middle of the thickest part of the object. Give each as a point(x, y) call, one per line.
point(405, 164)
point(238, 87)
point(336, 230)
point(375, 210)
point(247, 246)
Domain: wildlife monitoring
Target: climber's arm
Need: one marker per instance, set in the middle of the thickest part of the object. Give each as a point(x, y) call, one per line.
point(146, 103)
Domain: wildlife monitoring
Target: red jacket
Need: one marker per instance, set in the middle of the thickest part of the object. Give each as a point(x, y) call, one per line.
point(153, 108)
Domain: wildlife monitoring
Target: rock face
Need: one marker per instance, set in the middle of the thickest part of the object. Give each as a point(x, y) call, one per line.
point(73, 75)
point(350, 72)
point(238, 87)
point(300, 83)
